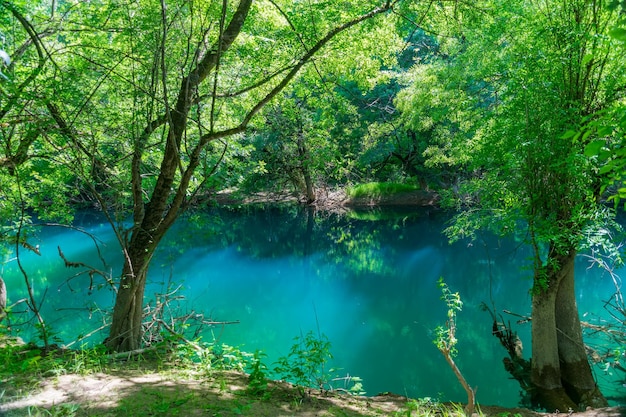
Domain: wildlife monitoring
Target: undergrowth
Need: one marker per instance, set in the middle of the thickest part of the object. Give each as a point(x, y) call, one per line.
point(306, 366)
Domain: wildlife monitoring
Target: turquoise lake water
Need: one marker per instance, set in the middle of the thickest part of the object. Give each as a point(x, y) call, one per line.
point(369, 286)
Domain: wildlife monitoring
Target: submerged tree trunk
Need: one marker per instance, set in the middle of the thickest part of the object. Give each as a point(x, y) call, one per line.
point(560, 371)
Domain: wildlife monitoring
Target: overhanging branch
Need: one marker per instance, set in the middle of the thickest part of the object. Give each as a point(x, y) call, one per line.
point(196, 153)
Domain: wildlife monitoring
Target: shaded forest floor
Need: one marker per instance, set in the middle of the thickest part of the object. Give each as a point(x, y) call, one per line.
point(182, 392)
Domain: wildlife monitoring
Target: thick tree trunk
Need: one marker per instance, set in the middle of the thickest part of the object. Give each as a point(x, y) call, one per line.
point(310, 190)
point(545, 369)
point(126, 326)
point(576, 374)
point(560, 372)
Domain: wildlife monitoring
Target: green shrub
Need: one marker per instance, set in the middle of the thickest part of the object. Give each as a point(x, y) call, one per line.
point(379, 189)
point(305, 365)
point(257, 379)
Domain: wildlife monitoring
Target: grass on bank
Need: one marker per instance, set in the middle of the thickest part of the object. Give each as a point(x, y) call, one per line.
point(379, 189)
point(216, 380)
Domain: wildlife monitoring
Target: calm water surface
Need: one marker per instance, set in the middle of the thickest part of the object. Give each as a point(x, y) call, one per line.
point(369, 286)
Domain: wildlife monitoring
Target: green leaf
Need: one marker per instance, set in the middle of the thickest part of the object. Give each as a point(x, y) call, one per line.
point(618, 33)
point(593, 148)
point(613, 5)
point(605, 169)
point(604, 154)
point(587, 59)
point(605, 130)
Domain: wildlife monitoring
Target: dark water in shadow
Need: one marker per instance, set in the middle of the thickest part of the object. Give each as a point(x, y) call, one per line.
point(369, 286)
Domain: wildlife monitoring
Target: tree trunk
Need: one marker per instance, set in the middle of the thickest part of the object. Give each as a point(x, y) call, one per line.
point(3, 299)
point(560, 372)
point(576, 374)
point(310, 190)
point(305, 162)
point(126, 327)
point(545, 369)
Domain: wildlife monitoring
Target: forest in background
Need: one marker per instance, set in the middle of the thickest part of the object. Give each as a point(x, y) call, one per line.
point(514, 112)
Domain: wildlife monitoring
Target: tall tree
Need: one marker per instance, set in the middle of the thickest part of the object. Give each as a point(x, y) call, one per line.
point(314, 134)
point(510, 94)
point(143, 95)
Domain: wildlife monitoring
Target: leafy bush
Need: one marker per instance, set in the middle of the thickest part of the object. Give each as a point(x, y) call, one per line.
point(379, 189)
point(305, 365)
point(257, 379)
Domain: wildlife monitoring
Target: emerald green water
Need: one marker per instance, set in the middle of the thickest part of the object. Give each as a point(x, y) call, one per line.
point(368, 285)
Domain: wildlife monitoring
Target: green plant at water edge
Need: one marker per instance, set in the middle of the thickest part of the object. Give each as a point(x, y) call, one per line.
point(224, 357)
point(350, 384)
point(18, 361)
point(446, 340)
point(379, 189)
point(305, 365)
point(426, 407)
point(257, 379)
point(208, 357)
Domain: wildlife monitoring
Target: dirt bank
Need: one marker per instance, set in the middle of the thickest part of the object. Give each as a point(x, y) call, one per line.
point(332, 199)
point(171, 392)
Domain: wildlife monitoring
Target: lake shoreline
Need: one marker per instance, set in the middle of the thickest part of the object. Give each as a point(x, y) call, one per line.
point(144, 387)
point(331, 200)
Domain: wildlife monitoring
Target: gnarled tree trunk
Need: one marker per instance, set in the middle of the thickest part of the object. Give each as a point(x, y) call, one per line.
point(305, 161)
point(126, 328)
point(169, 196)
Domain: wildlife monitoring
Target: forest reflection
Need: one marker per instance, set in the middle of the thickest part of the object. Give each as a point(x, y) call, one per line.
point(367, 280)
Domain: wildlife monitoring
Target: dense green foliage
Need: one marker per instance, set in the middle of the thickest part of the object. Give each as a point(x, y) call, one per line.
point(514, 111)
point(511, 92)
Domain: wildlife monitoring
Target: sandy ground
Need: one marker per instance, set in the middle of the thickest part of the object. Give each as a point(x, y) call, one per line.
point(141, 393)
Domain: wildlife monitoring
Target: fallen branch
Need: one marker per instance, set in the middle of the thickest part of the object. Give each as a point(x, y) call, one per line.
point(90, 270)
point(194, 345)
point(132, 353)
